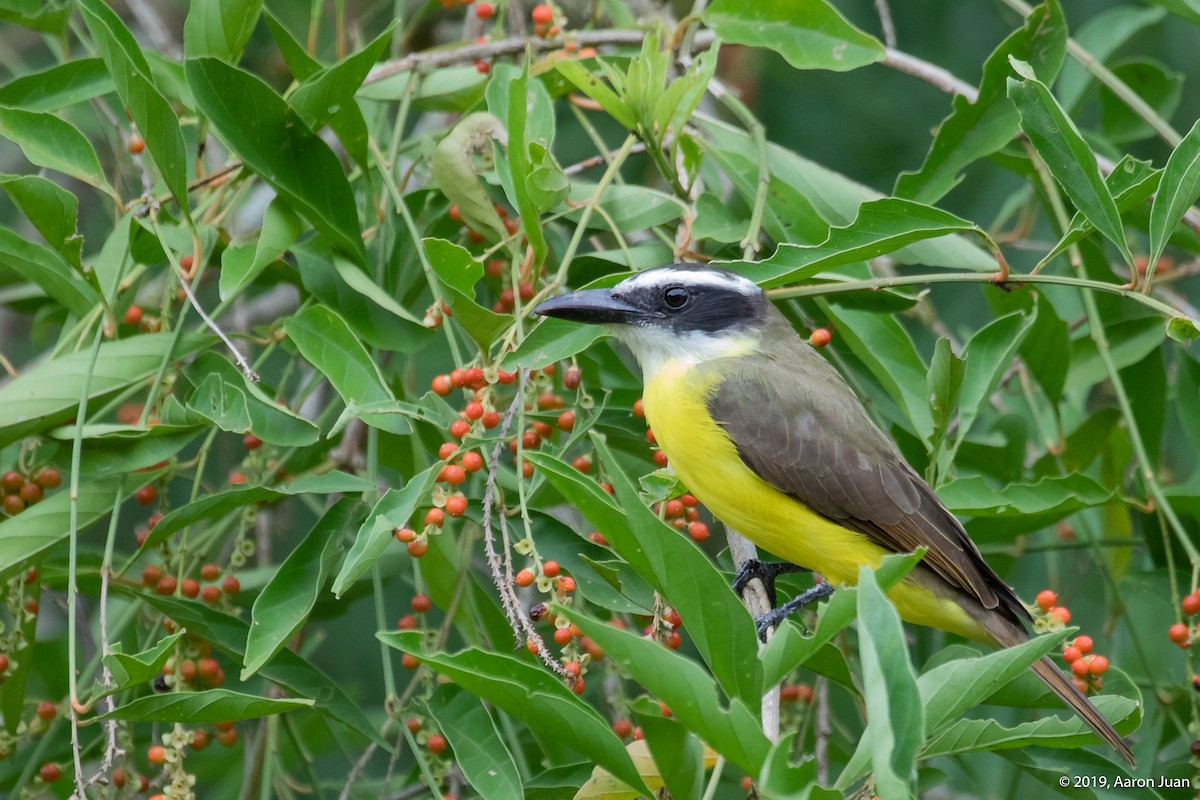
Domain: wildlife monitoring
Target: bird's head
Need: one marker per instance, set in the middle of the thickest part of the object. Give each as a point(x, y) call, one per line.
point(679, 312)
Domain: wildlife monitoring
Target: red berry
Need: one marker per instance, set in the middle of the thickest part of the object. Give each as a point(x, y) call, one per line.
point(460, 428)
point(136, 144)
point(50, 772)
point(458, 378)
point(789, 692)
point(13, 504)
point(417, 548)
point(484, 10)
point(639, 408)
point(251, 442)
point(190, 588)
point(210, 594)
point(524, 578)
point(405, 535)
point(413, 724)
point(48, 478)
point(1098, 665)
point(674, 640)
point(1072, 654)
point(436, 744)
point(454, 214)
point(407, 623)
point(166, 585)
point(490, 419)
point(562, 635)
point(31, 493)
point(583, 464)
point(409, 661)
point(820, 337)
point(199, 739)
point(210, 572)
point(231, 585)
point(571, 378)
point(454, 475)
point(622, 728)
point(12, 482)
point(542, 14)
point(1191, 604)
point(1080, 667)
point(474, 410)
point(566, 584)
point(472, 462)
point(550, 569)
point(441, 385)
point(421, 603)
point(133, 314)
point(1045, 599)
point(151, 574)
point(227, 738)
point(660, 458)
point(435, 517)
point(806, 693)
point(46, 711)
point(237, 478)
point(456, 505)
point(186, 263)
point(698, 531)
point(482, 67)
point(157, 754)
point(146, 495)
point(1062, 613)
point(1084, 643)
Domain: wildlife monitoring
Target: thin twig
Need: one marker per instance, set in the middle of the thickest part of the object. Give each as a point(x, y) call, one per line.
point(885, 22)
point(757, 602)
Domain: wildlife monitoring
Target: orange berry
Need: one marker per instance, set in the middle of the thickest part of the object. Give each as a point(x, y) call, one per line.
point(407, 623)
point(639, 408)
point(157, 754)
point(405, 535)
point(454, 475)
point(456, 505)
point(436, 744)
point(622, 728)
point(1062, 613)
point(136, 144)
point(571, 378)
point(190, 588)
point(1084, 643)
point(598, 538)
point(566, 420)
point(490, 419)
point(409, 661)
point(435, 517)
point(1071, 654)
point(1080, 667)
point(251, 442)
point(566, 584)
point(441, 385)
point(460, 428)
point(133, 314)
point(237, 478)
point(660, 458)
point(231, 585)
point(166, 585)
point(524, 578)
point(542, 14)
point(1191, 604)
point(578, 686)
point(199, 739)
point(527, 469)
point(210, 572)
point(417, 548)
point(454, 214)
point(698, 531)
point(562, 636)
point(46, 711)
point(474, 410)
point(472, 462)
point(583, 464)
point(421, 603)
point(820, 337)
point(146, 495)
point(1045, 599)
point(482, 67)
point(550, 569)
point(151, 574)
point(227, 738)
point(210, 594)
point(1098, 665)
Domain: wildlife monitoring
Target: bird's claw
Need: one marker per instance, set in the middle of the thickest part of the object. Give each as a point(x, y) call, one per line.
point(765, 571)
point(771, 619)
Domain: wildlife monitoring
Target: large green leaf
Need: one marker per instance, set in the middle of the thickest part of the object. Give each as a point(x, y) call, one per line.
point(208, 706)
point(241, 264)
point(324, 339)
point(57, 87)
point(224, 395)
point(276, 144)
point(287, 669)
point(478, 749)
point(979, 128)
point(284, 604)
point(53, 143)
point(128, 670)
point(1177, 190)
point(156, 120)
point(48, 394)
point(1066, 155)
point(810, 34)
point(458, 272)
point(528, 693)
point(219, 28)
point(53, 211)
point(49, 270)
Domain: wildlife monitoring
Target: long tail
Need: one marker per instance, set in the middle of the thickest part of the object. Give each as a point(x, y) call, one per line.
point(1009, 633)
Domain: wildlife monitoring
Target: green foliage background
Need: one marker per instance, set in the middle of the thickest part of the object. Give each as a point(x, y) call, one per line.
point(289, 170)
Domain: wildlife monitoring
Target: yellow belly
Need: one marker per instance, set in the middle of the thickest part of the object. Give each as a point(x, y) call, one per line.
point(708, 463)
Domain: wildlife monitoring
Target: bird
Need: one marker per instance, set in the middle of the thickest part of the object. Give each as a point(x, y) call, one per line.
point(769, 436)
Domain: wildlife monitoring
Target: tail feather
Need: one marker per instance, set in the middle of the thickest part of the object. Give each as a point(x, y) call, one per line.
point(1009, 632)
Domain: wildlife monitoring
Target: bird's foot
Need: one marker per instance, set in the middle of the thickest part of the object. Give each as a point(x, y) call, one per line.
point(765, 571)
point(772, 618)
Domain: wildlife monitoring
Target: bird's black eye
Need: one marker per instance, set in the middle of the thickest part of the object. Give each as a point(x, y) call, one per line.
point(675, 298)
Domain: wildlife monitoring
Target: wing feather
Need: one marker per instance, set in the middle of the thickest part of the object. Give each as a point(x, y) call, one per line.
point(816, 443)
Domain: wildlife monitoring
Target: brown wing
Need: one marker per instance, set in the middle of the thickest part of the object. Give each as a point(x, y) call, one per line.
point(798, 425)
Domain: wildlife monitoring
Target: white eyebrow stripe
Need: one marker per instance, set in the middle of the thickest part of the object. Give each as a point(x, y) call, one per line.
point(668, 276)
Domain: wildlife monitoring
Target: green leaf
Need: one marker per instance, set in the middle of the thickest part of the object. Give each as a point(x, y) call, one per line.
point(59, 86)
point(129, 670)
point(526, 112)
point(276, 144)
point(945, 383)
point(677, 754)
point(1021, 507)
point(283, 605)
point(478, 749)
point(240, 265)
point(454, 171)
point(326, 342)
point(1182, 329)
point(595, 89)
point(46, 525)
point(224, 395)
point(882, 226)
point(1129, 341)
point(289, 670)
point(885, 347)
point(895, 716)
point(219, 28)
point(155, 119)
point(1177, 190)
point(120, 450)
point(208, 706)
point(211, 506)
point(977, 129)
point(56, 144)
point(327, 97)
point(392, 511)
point(1159, 87)
point(458, 273)
point(552, 341)
point(988, 354)
point(47, 395)
point(718, 623)
point(952, 688)
point(626, 207)
point(810, 34)
point(50, 271)
point(49, 16)
point(528, 693)
point(687, 690)
point(53, 211)
point(1066, 155)
point(1046, 349)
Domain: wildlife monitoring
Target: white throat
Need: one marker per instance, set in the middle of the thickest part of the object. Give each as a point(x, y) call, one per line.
point(655, 348)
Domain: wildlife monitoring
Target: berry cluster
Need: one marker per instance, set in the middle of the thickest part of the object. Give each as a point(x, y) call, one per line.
point(1184, 634)
point(193, 666)
point(1087, 667)
point(1049, 616)
point(682, 514)
point(21, 491)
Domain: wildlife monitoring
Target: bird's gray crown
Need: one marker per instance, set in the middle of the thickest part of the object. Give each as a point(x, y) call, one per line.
point(691, 297)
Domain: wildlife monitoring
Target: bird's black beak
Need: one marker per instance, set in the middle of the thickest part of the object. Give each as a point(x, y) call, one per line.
point(595, 306)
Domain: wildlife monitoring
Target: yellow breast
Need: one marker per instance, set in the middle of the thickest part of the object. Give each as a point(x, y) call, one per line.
point(708, 463)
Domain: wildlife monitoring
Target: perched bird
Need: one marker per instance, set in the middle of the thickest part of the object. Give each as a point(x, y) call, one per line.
point(768, 435)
